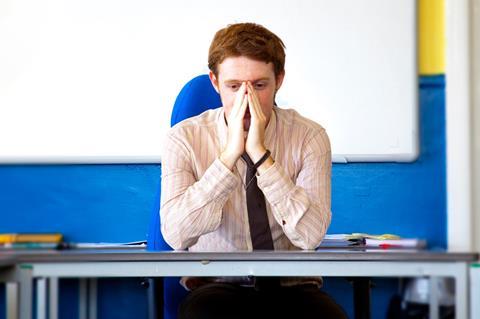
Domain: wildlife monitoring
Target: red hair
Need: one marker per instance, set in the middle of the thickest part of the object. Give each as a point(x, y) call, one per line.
point(250, 40)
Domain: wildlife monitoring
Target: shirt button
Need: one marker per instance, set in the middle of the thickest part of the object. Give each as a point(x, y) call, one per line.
point(283, 222)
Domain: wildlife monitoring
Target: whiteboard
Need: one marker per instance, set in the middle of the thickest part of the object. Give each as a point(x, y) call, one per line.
point(94, 81)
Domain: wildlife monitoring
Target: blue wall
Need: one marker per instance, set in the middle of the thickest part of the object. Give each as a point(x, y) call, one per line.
point(113, 203)
point(405, 199)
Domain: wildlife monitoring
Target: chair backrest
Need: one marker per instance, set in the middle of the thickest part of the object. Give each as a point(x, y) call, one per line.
point(197, 96)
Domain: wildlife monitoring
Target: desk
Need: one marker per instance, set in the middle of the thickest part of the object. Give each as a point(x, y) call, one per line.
point(49, 266)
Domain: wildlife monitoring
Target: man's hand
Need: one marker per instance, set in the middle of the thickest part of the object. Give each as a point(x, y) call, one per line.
point(235, 139)
point(255, 144)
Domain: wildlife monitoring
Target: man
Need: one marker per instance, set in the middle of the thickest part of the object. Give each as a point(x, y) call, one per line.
point(248, 176)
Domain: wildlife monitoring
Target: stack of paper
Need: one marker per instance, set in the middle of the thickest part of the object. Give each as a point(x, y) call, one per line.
point(370, 241)
point(103, 245)
point(341, 240)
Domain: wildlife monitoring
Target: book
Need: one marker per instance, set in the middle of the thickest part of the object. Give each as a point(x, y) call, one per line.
point(396, 243)
point(341, 240)
point(370, 241)
point(31, 238)
point(17, 246)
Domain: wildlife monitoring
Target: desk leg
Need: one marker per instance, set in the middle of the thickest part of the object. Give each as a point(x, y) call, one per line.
point(53, 297)
point(41, 298)
point(25, 280)
point(92, 298)
point(12, 300)
point(82, 298)
point(87, 298)
point(461, 291)
point(434, 304)
point(361, 297)
point(474, 290)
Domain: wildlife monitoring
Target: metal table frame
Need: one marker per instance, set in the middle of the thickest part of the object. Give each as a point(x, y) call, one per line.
point(10, 277)
point(46, 268)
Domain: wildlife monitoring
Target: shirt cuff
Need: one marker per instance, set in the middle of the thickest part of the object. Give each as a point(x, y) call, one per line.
point(275, 183)
point(219, 179)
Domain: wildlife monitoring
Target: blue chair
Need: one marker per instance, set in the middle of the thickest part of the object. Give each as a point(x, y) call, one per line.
point(197, 96)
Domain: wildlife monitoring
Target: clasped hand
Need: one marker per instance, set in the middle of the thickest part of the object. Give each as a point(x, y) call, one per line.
point(237, 143)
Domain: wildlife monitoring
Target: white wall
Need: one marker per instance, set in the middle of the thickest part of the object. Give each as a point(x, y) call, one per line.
point(460, 219)
point(476, 121)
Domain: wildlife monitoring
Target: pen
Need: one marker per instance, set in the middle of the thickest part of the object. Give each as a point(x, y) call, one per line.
point(385, 246)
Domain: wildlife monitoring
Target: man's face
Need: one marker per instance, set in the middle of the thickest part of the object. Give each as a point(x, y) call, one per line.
point(235, 70)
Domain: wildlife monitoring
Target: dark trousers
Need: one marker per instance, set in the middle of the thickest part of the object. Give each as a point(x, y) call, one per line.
point(230, 301)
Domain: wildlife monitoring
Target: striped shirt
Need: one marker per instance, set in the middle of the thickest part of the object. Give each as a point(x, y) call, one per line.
point(203, 203)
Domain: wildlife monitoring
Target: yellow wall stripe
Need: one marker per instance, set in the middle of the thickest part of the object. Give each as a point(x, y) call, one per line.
point(431, 36)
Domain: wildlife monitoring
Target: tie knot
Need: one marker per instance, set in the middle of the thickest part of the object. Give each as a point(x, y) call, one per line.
point(248, 161)
point(253, 166)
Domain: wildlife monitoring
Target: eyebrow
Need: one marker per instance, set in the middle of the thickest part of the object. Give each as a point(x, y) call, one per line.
point(239, 81)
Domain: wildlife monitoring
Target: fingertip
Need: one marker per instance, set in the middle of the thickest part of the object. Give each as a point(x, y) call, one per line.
point(244, 87)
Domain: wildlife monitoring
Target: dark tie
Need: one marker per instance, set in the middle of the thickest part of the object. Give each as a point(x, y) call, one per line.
point(257, 210)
